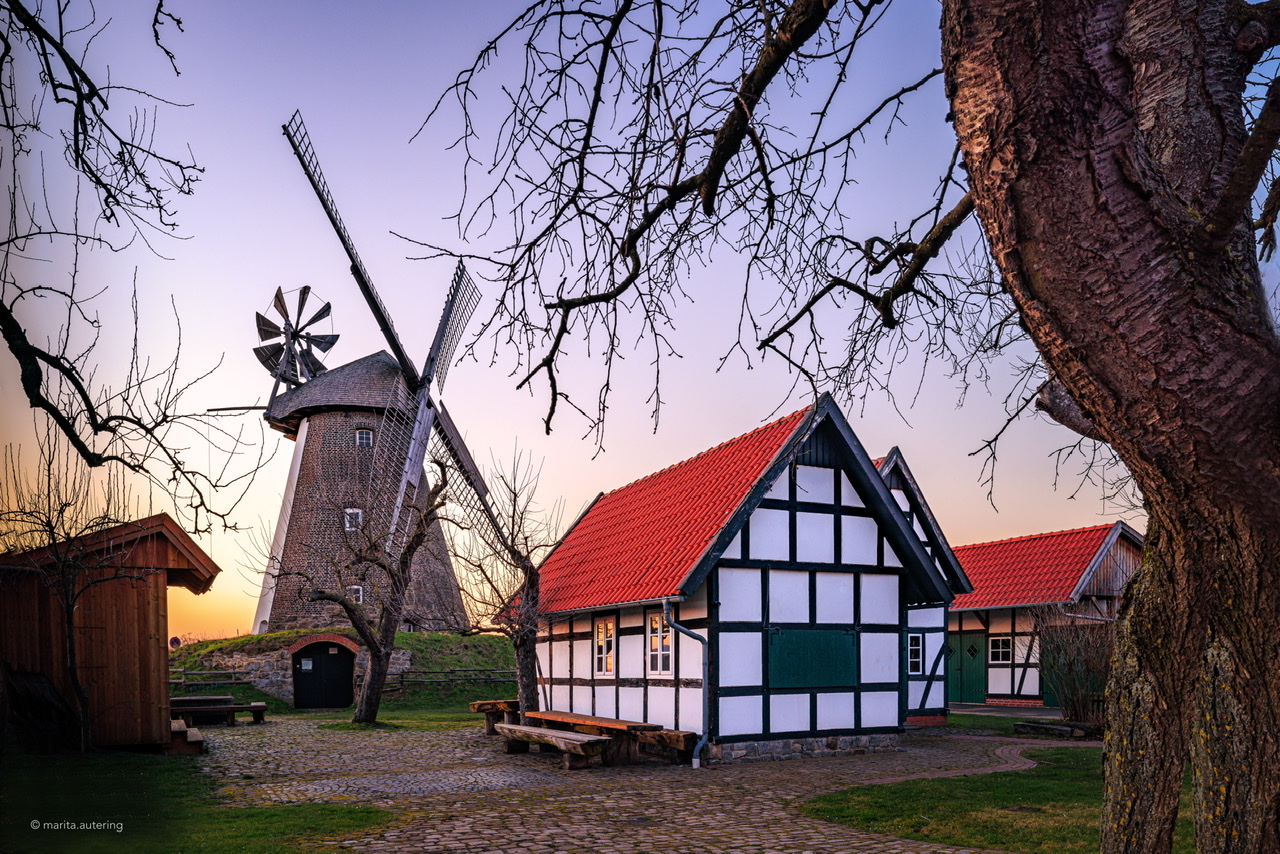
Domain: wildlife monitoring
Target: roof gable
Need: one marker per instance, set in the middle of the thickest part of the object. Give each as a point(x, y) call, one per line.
point(893, 468)
point(658, 537)
point(1039, 569)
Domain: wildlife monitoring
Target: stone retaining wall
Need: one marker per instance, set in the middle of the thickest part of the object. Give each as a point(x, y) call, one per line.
point(801, 748)
point(272, 672)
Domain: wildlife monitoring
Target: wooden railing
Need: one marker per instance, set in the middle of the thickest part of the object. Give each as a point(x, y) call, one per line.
point(193, 678)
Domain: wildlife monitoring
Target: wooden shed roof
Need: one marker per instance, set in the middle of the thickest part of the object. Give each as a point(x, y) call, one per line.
point(186, 564)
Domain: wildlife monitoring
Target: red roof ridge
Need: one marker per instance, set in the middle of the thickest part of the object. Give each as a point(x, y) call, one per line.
point(735, 440)
point(1034, 536)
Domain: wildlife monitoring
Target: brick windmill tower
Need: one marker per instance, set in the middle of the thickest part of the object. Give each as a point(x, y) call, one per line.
point(362, 432)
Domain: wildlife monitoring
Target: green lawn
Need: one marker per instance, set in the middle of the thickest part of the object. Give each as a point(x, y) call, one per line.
point(1054, 808)
point(158, 803)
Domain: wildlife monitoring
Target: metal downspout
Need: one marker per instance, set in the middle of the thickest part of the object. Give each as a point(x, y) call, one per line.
point(706, 681)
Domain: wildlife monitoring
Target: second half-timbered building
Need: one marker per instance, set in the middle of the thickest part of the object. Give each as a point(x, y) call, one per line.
point(778, 594)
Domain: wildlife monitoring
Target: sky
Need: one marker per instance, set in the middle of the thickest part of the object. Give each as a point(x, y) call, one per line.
point(364, 78)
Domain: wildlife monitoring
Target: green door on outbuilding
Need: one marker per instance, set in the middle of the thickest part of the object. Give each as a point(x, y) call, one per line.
point(967, 667)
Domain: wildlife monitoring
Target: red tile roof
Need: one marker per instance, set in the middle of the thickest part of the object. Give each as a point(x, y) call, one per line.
point(639, 542)
point(1034, 570)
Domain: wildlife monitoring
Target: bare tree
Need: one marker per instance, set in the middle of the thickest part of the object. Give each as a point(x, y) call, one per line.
point(55, 505)
point(498, 576)
point(1119, 158)
point(1075, 659)
point(83, 174)
point(369, 577)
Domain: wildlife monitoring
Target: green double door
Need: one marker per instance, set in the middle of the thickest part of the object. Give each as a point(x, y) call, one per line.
point(967, 667)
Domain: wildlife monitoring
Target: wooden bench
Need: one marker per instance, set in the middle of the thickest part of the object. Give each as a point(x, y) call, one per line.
point(184, 739)
point(677, 745)
point(625, 746)
point(496, 712)
point(575, 748)
point(189, 713)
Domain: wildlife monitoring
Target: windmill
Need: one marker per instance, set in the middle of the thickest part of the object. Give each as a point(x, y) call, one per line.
point(413, 422)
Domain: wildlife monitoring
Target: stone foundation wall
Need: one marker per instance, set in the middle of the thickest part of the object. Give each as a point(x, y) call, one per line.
point(272, 672)
point(801, 748)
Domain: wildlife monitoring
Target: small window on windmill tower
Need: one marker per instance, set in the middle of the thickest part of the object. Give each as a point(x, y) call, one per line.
point(364, 438)
point(352, 518)
point(356, 594)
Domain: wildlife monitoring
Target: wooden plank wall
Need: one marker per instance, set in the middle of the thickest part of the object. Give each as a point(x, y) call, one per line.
point(121, 628)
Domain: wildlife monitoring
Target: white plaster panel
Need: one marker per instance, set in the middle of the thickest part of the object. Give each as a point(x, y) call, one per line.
point(878, 654)
point(858, 538)
point(816, 537)
point(953, 622)
point(835, 597)
point(1020, 654)
point(631, 660)
point(815, 484)
point(999, 680)
point(836, 711)
point(739, 595)
point(662, 707)
point(583, 664)
point(582, 699)
point(741, 716)
point(933, 645)
point(1030, 685)
point(734, 550)
point(560, 699)
point(631, 704)
point(581, 624)
point(690, 654)
point(695, 607)
point(740, 659)
point(544, 658)
point(606, 703)
point(631, 617)
point(879, 598)
point(1001, 622)
point(789, 712)
point(927, 617)
point(770, 535)
point(788, 596)
point(916, 695)
point(891, 556)
point(780, 487)
point(690, 711)
point(919, 529)
point(901, 499)
point(560, 658)
point(880, 708)
point(848, 495)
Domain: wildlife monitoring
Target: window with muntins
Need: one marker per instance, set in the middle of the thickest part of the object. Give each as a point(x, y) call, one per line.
point(659, 634)
point(352, 519)
point(364, 438)
point(356, 594)
point(915, 655)
point(605, 644)
point(1001, 651)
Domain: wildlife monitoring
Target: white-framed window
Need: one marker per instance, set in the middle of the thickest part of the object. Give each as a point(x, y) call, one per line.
point(356, 594)
point(915, 655)
point(352, 519)
point(658, 634)
point(606, 642)
point(1001, 651)
point(364, 438)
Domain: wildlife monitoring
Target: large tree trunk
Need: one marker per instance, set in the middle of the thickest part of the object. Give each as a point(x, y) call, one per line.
point(1098, 136)
point(525, 640)
point(380, 647)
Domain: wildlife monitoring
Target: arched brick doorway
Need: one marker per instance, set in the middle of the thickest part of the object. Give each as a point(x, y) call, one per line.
point(323, 672)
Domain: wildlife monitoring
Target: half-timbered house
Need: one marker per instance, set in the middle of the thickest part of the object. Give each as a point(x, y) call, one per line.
point(995, 654)
point(777, 594)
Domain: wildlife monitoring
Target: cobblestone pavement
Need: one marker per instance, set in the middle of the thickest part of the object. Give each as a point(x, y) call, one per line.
point(456, 792)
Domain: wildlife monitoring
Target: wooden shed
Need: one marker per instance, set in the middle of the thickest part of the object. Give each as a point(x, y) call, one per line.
point(121, 624)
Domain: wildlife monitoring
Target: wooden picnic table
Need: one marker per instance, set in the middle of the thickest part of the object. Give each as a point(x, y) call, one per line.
point(625, 734)
point(497, 712)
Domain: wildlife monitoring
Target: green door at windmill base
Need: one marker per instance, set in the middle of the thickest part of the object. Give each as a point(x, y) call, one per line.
point(967, 667)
